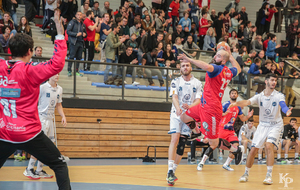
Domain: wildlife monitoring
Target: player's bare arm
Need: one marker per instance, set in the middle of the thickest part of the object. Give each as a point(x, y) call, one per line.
point(245, 118)
point(62, 114)
point(198, 63)
point(242, 103)
point(176, 104)
point(196, 102)
point(234, 62)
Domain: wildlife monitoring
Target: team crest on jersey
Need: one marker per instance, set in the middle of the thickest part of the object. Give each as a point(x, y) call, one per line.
point(220, 94)
point(173, 85)
point(48, 95)
point(187, 97)
point(274, 104)
point(194, 90)
point(268, 111)
point(205, 126)
point(180, 88)
point(52, 103)
point(34, 63)
point(261, 104)
point(57, 96)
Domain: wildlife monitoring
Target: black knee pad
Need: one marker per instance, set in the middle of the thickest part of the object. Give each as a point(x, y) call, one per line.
point(191, 124)
point(223, 142)
point(181, 145)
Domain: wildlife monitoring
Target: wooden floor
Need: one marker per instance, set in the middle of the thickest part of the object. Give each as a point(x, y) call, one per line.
point(212, 176)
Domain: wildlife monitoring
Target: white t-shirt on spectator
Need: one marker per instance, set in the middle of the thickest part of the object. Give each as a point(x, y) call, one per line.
point(52, 6)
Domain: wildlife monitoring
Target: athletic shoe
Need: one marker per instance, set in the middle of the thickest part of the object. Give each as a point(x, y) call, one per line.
point(286, 161)
point(23, 157)
point(200, 167)
point(244, 178)
point(18, 157)
point(227, 167)
point(43, 174)
point(261, 161)
point(244, 160)
point(279, 160)
point(135, 83)
point(78, 74)
point(212, 161)
point(69, 74)
point(296, 161)
point(31, 174)
point(171, 178)
point(239, 155)
point(193, 161)
point(268, 180)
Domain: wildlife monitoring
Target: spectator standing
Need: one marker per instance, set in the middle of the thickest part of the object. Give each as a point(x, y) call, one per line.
point(235, 23)
point(68, 9)
point(272, 10)
point(202, 3)
point(10, 6)
point(244, 15)
point(209, 40)
point(104, 32)
point(112, 50)
point(30, 9)
point(278, 5)
point(240, 34)
point(213, 15)
point(247, 35)
point(24, 27)
point(156, 4)
point(185, 22)
point(183, 7)
point(105, 8)
point(292, 15)
point(226, 21)
point(96, 10)
point(203, 27)
point(4, 38)
point(91, 28)
point(291, 33)
point(128, 58)
point(49, 12)
point(76, 32)
point(233, 4)
point(288, 87)
point(173, 13)
point(218, 25)
point(195, 12)
point(257, 44)
point(261, 19)
point(151, 40)
point(149, 59)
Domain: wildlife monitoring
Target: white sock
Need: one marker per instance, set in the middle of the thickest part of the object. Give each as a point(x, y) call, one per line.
point(278, 156)
point(171, 164)
point(175, 167)
point(247, 170)
point(296, 155)
point(286, 156)
point(228, 161)
point(259, 156)
point(244, 156)
point(31, 163)
point(39, 166)
point(204, 159)
point(270, 169)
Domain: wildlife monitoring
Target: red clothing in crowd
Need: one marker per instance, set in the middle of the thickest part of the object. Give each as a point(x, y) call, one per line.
point(200, 3)
point(174, 9)
point(270, 15)
point(202, 22)
point(90, 35)
point(265, 45)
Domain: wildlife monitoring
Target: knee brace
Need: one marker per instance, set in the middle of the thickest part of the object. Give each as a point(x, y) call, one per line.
point(223, 144)
point(191, 124)
point(208, 151)
point(181, 145)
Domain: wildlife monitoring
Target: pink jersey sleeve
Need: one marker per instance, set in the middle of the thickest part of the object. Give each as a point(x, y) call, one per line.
point(39, 72)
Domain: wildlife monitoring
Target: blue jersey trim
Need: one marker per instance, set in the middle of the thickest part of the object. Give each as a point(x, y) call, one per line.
point(217, 70)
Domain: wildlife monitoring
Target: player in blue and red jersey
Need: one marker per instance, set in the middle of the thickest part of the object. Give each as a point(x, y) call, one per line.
point(209, 111)
point(226, 129)
point(20, 126)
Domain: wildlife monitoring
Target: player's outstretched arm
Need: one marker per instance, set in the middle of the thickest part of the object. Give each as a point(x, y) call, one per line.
point(62, 114)
point(245, 118)
point(242, 103)
point(39, 72)
point(198, 63)
point(176, 104)
point(285, 109)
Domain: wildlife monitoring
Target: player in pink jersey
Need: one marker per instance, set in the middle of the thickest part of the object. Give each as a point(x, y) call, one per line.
point(20, 126)
point(209, 111)
point(227, 124)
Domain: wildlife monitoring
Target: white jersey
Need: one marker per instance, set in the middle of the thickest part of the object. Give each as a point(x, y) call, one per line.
point(269, 109)
point(187, 91)
point(248, 133)
point(48, 99)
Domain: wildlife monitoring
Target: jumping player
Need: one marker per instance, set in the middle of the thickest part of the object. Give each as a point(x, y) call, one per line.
point(227, 124)
point(20, 127)
point(209, 111)
point(50, 97)
point(186, 92)
point(270, 127)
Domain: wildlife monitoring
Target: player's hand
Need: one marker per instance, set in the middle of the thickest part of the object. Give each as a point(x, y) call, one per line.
point(185, 106)
point(231, 105)
point(183, 57)
point(178, 112)
point(58, 23)
point(227, 111)
point(250, 113)
point(289, 112)
point(205, 141)
point(64, 121)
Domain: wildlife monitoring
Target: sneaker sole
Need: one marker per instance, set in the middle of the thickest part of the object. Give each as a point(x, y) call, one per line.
point(31, 177)
point(243, 181)
point(228, 169)
point(267, 183)
point(46, 177)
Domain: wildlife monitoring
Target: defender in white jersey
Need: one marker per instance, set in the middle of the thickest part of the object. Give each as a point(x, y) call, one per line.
point(246, 136)
point(270, 126)
point(186, 92)
point(49, 98)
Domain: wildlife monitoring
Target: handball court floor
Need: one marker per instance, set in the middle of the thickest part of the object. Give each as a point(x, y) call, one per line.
point(133, 174)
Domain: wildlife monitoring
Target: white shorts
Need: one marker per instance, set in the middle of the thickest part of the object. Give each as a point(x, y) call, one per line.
point(48, 128)
point(177, 126)
point(267, 133)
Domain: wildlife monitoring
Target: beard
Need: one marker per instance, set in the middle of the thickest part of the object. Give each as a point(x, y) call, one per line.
point(185, 73)
point(233, 99)
point(213, 61)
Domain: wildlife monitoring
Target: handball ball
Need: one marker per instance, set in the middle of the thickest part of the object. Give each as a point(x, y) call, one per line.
point(223, 45)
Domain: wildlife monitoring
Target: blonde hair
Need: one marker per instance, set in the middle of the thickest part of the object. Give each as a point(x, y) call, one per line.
point(209, 29)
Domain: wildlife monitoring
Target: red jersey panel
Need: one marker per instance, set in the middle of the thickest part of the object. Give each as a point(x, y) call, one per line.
point(228, 120)
point(215, 84)
point(19, 93)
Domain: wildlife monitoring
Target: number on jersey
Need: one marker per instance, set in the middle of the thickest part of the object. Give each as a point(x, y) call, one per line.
point(6, 110)
point(225, 83)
